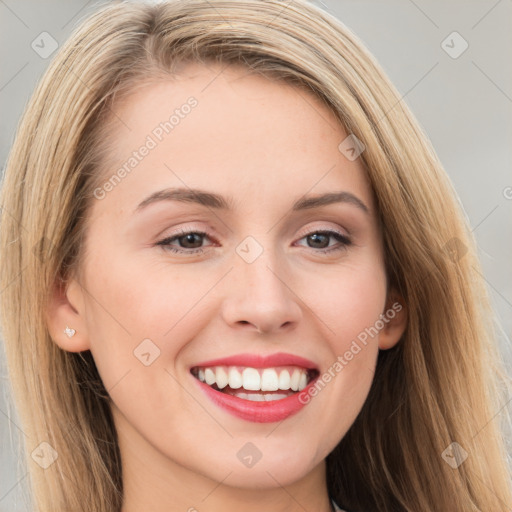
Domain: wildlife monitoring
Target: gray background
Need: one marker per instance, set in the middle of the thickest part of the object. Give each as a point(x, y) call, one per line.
point(464, 104)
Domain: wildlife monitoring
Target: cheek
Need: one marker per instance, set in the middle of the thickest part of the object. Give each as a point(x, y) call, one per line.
point(349, 308)
point(348, 300)
point(141, 314)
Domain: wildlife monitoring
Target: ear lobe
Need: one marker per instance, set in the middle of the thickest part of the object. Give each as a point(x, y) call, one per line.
point(65, 317)
point(395, 321)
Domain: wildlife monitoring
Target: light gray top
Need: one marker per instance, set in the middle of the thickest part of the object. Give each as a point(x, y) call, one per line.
point(336, 507)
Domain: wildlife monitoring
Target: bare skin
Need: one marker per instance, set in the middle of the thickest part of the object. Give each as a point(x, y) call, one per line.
point(262, 145)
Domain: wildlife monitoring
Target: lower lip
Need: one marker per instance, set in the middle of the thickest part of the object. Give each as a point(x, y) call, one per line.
point(258, 412)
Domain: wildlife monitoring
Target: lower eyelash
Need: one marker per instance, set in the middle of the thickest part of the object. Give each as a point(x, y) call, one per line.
point(344, 240)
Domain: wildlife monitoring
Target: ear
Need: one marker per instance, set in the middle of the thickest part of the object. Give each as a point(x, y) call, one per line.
point(395, 320)
point(66, 309)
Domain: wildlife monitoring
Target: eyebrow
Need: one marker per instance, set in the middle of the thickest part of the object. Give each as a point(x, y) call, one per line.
point(218, 202)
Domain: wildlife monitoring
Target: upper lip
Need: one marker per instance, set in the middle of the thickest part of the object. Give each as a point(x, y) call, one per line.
point(260, 361)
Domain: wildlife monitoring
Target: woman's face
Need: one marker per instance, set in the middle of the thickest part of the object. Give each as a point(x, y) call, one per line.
point(278, 275)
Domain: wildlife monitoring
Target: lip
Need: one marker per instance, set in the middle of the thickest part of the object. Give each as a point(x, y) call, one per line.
point(258, 412)
point(260, 361)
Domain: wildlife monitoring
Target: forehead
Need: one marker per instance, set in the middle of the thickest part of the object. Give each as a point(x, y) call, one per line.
point(229, 130)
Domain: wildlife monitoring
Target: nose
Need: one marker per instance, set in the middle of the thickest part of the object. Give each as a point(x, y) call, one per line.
point(260, 296)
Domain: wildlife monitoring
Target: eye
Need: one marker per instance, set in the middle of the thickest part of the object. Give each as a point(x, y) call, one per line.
point(320, 240)
point(189, 242)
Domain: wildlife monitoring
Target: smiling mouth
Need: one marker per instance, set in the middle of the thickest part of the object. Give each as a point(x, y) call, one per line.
point(256, 384)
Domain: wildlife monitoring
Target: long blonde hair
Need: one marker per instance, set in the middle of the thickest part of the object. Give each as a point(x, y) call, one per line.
point(437, 386)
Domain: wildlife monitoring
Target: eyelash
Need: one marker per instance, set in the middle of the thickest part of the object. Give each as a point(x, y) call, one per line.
point(343, 239)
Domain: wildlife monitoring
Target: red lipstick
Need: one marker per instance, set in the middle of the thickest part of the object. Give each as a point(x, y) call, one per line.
point(259, 411)
point(261, 361)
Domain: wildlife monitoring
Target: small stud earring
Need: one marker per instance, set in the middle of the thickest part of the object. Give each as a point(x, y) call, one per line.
point(69, 332)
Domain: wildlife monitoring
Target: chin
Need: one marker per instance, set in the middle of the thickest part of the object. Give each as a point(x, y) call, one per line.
point(266, 473)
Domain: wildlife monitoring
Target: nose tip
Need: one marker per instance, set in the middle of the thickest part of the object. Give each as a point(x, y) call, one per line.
point(260, 298)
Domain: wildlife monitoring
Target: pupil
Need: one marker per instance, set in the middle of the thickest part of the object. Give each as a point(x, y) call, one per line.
point(315, 237)
point(190, 238)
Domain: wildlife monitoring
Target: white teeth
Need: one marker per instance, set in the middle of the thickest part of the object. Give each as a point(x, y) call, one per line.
point(252, 379)
point(284, 380)
point(235, 379)
point(275, 396)
point(209, 376)
point(221, 377)
point(256, 397)
point(303, 382)
point(269, 380)
point(294, 381)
